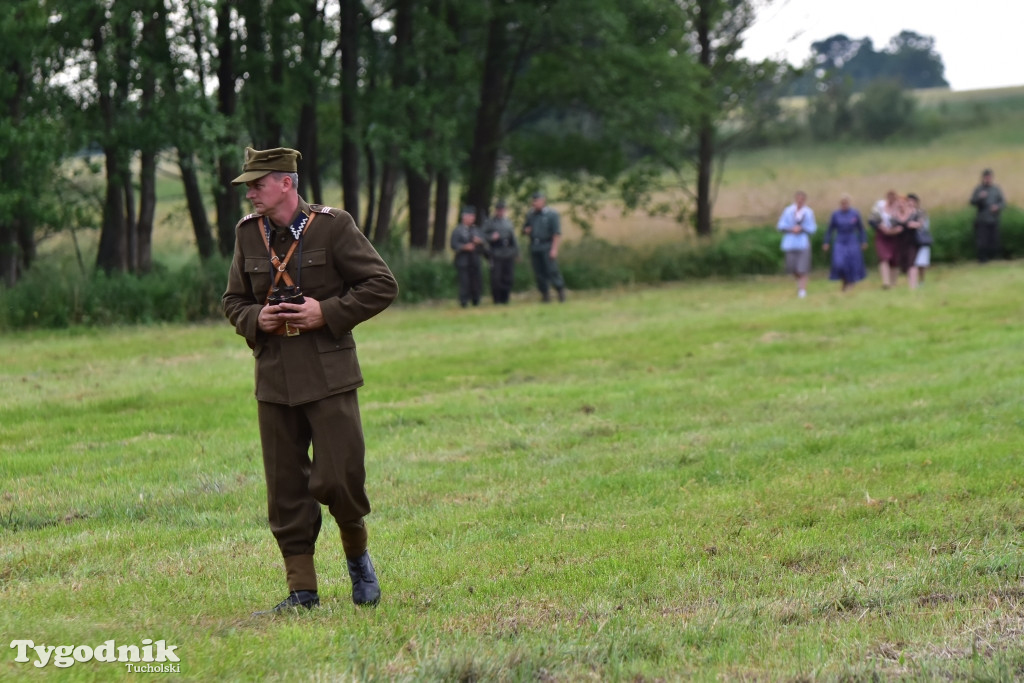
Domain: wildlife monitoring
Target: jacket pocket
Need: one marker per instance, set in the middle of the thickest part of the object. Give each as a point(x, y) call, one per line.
point(339, 362)
point(258, 269)
point(314, 269)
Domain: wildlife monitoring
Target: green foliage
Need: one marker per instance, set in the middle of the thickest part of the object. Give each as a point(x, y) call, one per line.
point(883, 111)
point(909, 59)
point(59, 296)
point(829, 115)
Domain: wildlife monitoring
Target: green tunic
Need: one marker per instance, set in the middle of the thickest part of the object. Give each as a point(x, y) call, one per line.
point(501, 237)
point(544, 225)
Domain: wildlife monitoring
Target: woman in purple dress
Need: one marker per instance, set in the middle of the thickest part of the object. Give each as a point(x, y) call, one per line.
point(847, 240)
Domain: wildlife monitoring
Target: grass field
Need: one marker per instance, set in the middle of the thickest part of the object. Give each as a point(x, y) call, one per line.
point(710, 481)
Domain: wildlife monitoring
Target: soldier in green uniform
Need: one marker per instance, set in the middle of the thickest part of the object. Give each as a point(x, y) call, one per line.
point(468, 244)
point(988, 199)
point(302, 277)
point(545, 232)
point(501, 238)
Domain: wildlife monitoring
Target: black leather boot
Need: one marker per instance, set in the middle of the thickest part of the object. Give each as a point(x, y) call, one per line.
point(365, 589)
point(561, 294)
point(295, 600)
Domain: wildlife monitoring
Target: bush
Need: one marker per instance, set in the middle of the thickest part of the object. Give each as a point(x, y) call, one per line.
point(58, 295)
point(884, 110)
point(954, 235)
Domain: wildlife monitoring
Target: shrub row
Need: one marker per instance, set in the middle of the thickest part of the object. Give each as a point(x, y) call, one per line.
point(54, 295)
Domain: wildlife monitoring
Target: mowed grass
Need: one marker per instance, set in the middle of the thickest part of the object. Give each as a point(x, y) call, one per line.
point(710, 481)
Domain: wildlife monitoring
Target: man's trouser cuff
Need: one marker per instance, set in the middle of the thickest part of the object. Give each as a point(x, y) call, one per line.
point(300, 572)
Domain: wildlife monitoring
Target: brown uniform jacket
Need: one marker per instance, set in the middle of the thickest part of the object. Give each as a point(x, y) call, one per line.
point(341, 270)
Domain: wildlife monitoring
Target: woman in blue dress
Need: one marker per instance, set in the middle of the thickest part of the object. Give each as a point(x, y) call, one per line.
point(847, 240)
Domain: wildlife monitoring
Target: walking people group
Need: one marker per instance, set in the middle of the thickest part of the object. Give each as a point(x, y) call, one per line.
point(496, 242)
point(902, 236)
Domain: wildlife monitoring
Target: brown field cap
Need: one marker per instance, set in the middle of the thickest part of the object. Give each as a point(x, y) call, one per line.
point(260, 162)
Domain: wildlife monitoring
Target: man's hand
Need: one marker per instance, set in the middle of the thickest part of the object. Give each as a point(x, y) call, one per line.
point(269, 318)
point(824, 246)
point(554, 251)
point(303, 317)
point(796, 229)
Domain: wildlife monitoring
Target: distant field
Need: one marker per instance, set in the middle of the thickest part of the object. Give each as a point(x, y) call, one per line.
point(712, 481)
point(756, 185)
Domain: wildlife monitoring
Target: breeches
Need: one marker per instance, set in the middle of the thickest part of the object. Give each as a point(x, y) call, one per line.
point(470, 284)
point(503, 272)
point(986, 236)
point(545, 270)
point(296, 484)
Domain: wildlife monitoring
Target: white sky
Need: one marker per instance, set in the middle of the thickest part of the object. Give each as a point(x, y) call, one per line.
point(980, 41)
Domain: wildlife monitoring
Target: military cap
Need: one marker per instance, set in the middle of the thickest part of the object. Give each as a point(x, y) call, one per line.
point(500, 205)
point(260, 162)
point(466, 208)
point(987, 171)
point(538, 195)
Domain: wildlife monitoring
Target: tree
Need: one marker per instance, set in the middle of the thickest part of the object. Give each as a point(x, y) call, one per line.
point(733, 96)
point(31, 137)
point(913, 61)
point(884, 110)
point(225, 144)
point(910, 59)
point(353, 25)
point(579, 90)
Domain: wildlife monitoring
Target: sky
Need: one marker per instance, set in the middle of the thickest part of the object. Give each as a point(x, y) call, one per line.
point(980, 41)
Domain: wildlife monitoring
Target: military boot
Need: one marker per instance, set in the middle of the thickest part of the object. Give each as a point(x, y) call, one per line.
point(295, 600)
point(561, 295)
point(365, 589)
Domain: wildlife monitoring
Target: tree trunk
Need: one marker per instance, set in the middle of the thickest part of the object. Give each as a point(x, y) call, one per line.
point(226, 197)
point(11, 170)
point(8, 255)
point(442, 201)
point(386, 206)
point(111, 255)
point(196, 210)
point(418, 187)
point(487, 133)
point(147, 212)
point(371, 188)
point(131, 228)
point(706, 132)
point(705, 160)
point(311, 19)
point(350, 30)
point(309, 164)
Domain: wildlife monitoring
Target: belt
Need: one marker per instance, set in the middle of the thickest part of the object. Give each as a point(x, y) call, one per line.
point(285, 330)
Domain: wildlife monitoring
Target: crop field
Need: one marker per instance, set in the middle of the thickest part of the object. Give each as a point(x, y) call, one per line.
point(712, 481)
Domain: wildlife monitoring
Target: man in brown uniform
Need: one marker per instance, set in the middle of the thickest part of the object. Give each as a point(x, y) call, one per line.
point(329, 279)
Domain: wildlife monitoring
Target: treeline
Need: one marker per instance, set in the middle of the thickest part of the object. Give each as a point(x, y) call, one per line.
point(909, 60)
point(399, 101)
